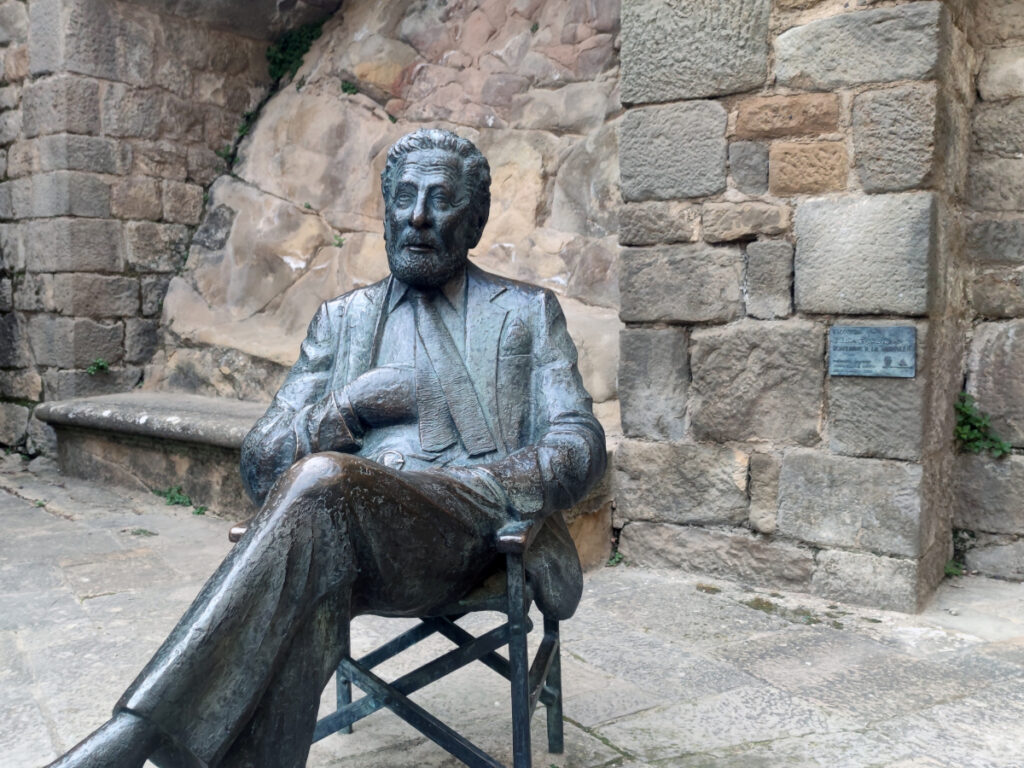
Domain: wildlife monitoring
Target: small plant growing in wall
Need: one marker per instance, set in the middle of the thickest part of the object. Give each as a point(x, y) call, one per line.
point(99, 365)
point(973, 432)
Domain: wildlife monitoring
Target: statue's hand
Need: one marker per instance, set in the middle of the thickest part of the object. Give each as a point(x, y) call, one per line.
point(384, 395)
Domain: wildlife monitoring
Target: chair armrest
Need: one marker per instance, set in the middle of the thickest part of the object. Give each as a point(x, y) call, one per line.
point(515, 538)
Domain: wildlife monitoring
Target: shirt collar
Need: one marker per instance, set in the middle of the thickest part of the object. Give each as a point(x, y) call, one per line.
point(454, 291)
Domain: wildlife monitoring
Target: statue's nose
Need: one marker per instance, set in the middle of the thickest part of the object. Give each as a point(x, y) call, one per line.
point(420, 213)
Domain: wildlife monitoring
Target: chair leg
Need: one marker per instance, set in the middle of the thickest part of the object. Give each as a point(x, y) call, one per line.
point(343, 683)
point(518, 662)
point(556, 737)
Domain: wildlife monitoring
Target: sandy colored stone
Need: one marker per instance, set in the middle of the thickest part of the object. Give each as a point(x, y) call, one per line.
point(13, 423)
point(1002, 74)
point(772, 117)
point(997, 292)
point(136, 197)
point(995, 376)
point(807, 169)
point(996, 183)
point(696, 483)
point(764, 492)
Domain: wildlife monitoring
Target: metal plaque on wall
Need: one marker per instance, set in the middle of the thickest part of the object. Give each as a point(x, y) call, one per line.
point(872, 350)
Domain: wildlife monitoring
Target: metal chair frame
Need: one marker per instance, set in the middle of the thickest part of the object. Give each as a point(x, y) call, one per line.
point(540, 680)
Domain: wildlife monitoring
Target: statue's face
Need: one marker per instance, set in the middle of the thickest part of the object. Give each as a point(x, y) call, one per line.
point(427, 222)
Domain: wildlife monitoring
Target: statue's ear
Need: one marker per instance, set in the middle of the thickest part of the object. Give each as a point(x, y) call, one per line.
point(479, 222)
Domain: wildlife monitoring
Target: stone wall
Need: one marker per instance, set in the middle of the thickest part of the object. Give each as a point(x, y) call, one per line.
point(299, 219)
point(989, 510)
point(787, 167)
point(119, 110)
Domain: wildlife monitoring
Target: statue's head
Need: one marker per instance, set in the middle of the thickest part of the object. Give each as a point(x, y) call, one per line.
point(437, 195)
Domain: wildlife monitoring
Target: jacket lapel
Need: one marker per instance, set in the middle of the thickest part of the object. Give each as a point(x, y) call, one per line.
point(359, 332)
point(485, 317)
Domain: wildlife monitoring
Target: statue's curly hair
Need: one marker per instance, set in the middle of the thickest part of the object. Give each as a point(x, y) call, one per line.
point(474, 165)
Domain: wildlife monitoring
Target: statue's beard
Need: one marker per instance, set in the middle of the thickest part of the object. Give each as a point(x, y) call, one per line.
point(425, 270)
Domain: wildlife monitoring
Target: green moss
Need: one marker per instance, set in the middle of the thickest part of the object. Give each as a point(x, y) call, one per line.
point(284, 57)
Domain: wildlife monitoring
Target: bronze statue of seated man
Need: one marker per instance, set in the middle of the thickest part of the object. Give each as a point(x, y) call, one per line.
point(424, 413)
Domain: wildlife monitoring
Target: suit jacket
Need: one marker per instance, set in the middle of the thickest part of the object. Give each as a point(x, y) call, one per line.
point(522, 363)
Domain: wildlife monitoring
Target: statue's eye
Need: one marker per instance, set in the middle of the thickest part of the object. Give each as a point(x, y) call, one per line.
point(404, 197)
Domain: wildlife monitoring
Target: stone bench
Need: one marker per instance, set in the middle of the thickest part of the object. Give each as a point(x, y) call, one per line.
point(153, 441)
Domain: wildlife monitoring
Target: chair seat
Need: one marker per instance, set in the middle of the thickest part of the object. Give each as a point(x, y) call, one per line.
point(490, 595)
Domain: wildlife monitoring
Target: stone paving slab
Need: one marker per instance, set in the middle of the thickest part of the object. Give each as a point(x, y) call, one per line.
point(661, 669)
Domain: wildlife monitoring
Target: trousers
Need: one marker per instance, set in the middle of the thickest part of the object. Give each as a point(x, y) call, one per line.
point(238, 681)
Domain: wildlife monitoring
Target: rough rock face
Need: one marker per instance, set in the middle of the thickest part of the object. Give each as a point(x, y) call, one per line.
point(534, 85)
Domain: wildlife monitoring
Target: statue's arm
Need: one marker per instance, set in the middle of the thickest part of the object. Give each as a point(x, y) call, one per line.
point(305, 415)
point(568, 455)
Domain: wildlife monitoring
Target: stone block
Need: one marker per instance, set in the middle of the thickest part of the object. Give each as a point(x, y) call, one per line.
point(136, 197)
point(10, 95)
point(673, 152)
point(996, 183)
point(874, 46)
point(744, 557)
point(64, 193)
point(74, 245)
point(679, 483)
point(1002, 74)
point(996, 241)
point(864, 254)
point(768, 288)
point(14, 346)
point(183, 203)
point(203, 165)
point(889, 583)
point(10, 126)
point(13, 22)
point(13, 423)
point(999, 128)
point(154, 288)
point(654, 222)
point(727, 222)
point(764, 492)
point(998, 21)
point(132, 112)
point(35, 293)
point(894, 137)
point(25, 384)
point(6, 295)
point(748, 166)
point(154, 247)
point(996, 376)
point(68, 343)
point(83, 293)
point(1001, 557)
point(997, 292)
point(61, 104)
point(684, 283)
point(66, 384)
point(879, 418)
point(773, 117)
point(166, 160)
point(807, 169)
point(705, 48)
point(838, 501)
point(41, 439)
point(653, 377)
point(72, 152)
point(3, 163)
point(756, 380)
point(140, 340)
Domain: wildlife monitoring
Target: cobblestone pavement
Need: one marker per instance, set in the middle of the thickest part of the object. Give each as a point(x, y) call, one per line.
point(660, 668)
